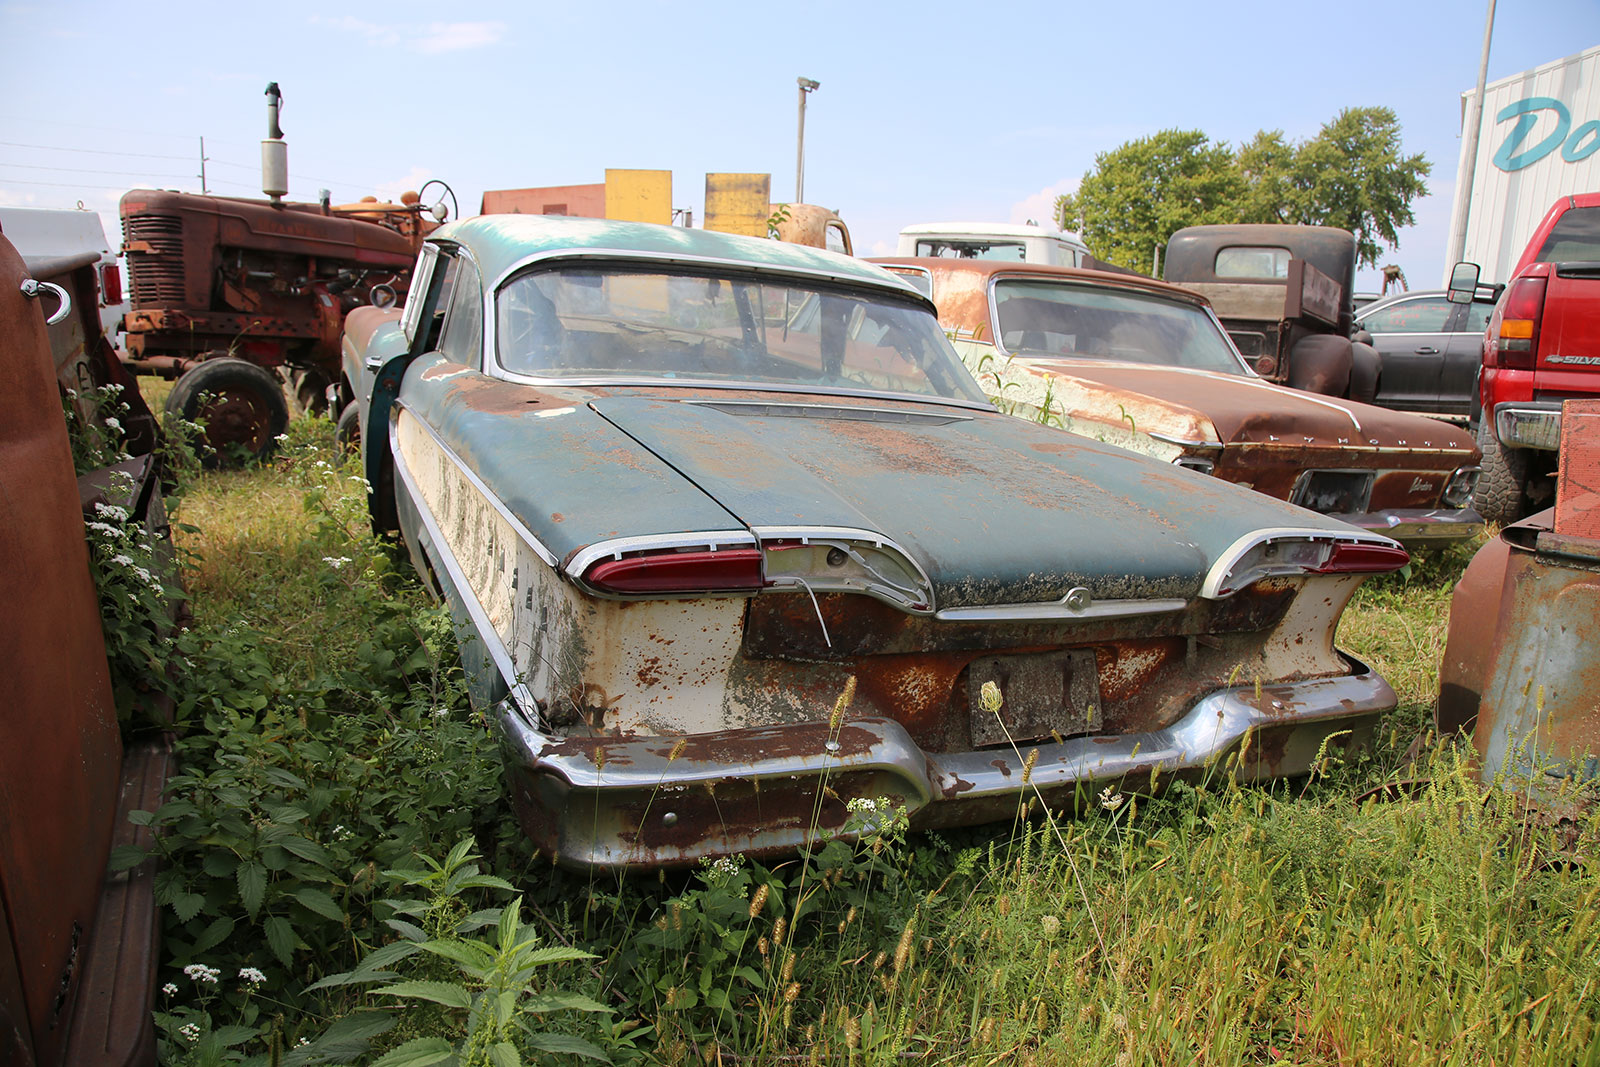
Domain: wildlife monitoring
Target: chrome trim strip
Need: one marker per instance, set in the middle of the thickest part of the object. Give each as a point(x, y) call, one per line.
point(1055, 609)
point(845, 411)
point(522, 531)
point(1184, 442)
point(592, 382)
point(616, 547)
point(1245, 544)
point(1419, 526)
point(458, 578)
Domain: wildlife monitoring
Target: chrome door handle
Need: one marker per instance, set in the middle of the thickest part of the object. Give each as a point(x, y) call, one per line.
point(31, 289)
point(1426, 350)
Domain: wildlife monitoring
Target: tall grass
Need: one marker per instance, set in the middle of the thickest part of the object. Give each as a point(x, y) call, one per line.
point(1209, 925)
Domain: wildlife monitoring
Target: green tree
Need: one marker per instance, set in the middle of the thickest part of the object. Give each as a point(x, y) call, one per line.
point(1138, 194)
point(1353, 174)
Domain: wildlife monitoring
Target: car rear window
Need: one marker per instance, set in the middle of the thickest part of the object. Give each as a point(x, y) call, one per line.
point(1574, 238)
point(954, 248)
point(1040, 318)
point(600, 323)
point(1243, 261)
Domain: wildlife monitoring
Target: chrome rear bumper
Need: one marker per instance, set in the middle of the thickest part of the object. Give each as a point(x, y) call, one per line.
point(668, 801)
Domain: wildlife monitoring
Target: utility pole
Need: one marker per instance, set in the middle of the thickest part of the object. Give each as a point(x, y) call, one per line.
point(1469, 152)
point(203, 188)
point(807, 85)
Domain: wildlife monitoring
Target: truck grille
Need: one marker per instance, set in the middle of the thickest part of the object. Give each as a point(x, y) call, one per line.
point(156, 276)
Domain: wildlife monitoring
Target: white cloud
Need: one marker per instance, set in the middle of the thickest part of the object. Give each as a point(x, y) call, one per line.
point(1041, 206)
point(411, 181)
point(456, 36)
point(437, 37)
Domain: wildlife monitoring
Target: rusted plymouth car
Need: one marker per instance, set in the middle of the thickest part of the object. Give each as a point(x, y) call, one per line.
point(1145, 365)
point(737, 538)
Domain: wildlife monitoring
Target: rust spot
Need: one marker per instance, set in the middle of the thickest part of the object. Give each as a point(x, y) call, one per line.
point(556, 516)
point(494, 397)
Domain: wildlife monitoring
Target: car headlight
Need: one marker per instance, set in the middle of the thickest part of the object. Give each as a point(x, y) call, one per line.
point(1458, 490)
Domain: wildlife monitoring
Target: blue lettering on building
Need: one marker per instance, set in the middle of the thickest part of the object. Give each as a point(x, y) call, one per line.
point(1512, 156)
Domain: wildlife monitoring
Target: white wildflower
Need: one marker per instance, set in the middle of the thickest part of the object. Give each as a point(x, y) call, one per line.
point(336, 561)
point(201, 973)
point(1050, 925)
point(302, 1043)
point(1110, 799)
point(113, 423)
point(111, 512)
point(102, 528)
point(169, 989)
point(251, 975)
point(282, 438)
point(122, 560)
point(190, 1031)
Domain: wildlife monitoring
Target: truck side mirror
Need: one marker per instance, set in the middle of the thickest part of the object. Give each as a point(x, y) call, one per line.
point(1463, 283)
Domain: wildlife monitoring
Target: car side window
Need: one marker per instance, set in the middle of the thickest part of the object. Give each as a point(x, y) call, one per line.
point(1426, 315)
point(462, 340)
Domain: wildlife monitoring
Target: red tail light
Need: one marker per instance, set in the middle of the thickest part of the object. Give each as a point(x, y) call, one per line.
point(110, 284)
point(730, 570)
point(1348, 558)
point(1518, 342)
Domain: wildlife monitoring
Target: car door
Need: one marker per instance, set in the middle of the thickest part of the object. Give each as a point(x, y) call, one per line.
point(1411, 337)
point(1463, 357)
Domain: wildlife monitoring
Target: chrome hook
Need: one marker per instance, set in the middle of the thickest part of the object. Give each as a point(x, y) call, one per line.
point(32, 289)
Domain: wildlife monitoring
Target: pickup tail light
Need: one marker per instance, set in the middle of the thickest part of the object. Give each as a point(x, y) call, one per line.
point(1517, 345)
point(110, 284)
point(1292, 553)
point(728, 570)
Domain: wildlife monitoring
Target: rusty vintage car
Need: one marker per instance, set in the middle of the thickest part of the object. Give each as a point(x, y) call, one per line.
point(736, 539)
point(1145, 365)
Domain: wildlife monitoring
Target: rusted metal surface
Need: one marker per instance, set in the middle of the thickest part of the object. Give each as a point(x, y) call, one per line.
point(905, 551)
point(738, 203)
point(1520, 666)
point(1247, 430)
point(59, 744)
point(808, 224)
point(1578, 479)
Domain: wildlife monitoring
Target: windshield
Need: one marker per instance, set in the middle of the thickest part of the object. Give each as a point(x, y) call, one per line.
point(602, 323)
point(1087, 322)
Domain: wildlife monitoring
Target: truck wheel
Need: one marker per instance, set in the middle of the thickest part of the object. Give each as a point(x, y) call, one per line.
point(1501, 487)
point(241, 405)
point(347, 431)
point(1320, 363)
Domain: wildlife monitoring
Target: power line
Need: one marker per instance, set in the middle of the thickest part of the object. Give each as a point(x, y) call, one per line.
point(67, 185)
point(88, 170)
point(93, 151)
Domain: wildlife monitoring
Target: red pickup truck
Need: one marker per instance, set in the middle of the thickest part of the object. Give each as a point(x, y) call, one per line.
point(1542, 347)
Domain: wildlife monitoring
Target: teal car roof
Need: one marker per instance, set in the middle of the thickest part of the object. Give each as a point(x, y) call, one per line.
point(500, 242)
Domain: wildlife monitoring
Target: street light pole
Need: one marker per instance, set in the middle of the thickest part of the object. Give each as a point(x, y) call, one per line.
point(1469, 152)
point(807, 85)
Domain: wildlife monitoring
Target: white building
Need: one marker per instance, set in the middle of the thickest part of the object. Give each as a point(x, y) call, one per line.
point(1540, 141)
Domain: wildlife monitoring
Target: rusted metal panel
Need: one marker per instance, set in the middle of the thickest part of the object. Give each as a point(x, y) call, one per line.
point(808, 224)
point(59, 745)
point(1578, 477)
point(738, 203)
point(639, 196)
point(1312, 294)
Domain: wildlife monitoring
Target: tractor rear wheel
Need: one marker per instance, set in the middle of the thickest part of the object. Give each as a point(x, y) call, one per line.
point(241, 406)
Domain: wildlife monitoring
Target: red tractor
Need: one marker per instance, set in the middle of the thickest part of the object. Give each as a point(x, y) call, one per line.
point(238, 298)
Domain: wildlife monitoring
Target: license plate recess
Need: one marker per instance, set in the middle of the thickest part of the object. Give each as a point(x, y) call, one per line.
point(1044, 693)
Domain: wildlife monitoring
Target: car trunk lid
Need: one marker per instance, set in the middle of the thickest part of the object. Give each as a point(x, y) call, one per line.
point(995, 510)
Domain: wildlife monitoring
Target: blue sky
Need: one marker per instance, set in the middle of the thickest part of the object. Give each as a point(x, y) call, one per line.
point(926, 112)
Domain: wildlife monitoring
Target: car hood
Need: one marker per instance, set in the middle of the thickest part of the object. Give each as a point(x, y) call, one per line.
point(1197, 405)
point(993, 509)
